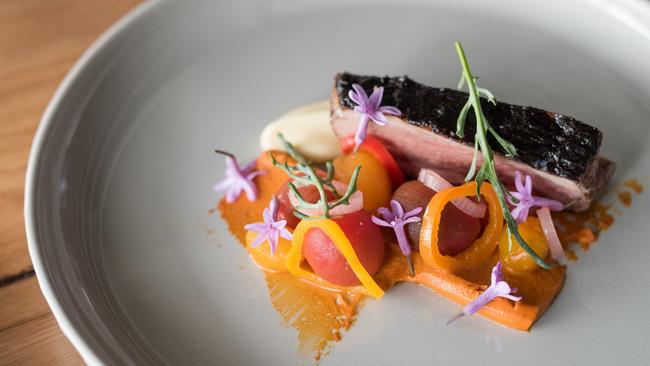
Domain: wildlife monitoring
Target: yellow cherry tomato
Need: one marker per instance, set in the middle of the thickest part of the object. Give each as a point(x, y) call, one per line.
point(517, 260)
point(373, 179)
point(262, 253)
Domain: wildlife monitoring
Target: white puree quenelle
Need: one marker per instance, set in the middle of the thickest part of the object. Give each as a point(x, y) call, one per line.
point(308, 129)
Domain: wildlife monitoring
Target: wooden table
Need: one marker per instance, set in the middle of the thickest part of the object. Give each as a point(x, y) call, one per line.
point(39, 42)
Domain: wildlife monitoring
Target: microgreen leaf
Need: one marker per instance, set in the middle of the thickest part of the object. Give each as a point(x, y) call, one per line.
point(472, 168)
point(510, 149)
point(303, 173)
point(462, 117)
point(487, 94)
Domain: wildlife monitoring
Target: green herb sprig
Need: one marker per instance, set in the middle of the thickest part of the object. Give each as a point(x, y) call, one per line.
point(302, 173)
point(487, 170)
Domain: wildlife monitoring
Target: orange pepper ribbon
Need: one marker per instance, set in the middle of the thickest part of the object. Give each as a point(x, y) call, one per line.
point(336, 234)
point(482, 247)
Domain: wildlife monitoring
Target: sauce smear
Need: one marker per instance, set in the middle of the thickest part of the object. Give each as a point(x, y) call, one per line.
point(318, 315)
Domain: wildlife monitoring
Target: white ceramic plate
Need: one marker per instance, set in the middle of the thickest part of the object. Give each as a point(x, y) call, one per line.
point(120, 176)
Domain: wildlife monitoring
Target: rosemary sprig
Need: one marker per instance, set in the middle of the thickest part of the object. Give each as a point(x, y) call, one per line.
point(487, 170)
point(302, 173)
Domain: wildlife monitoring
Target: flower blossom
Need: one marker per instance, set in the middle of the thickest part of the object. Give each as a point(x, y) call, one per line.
point(498, 288)
point(526, 200)
point(396, 218)
point(238, 179)
point(370, 109)
point(271, 229)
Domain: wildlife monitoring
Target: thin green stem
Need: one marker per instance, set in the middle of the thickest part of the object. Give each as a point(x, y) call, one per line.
point(488, 170)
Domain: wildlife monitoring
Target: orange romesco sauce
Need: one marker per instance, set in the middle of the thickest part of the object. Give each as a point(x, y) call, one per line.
point(625, 197)
point(635, 185)
point(320, 315)
point(584, 228)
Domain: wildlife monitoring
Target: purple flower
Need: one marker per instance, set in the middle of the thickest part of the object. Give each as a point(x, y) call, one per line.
point(238, 179)
point(498, 288)
point(396, 219)
point(370, 109)
point(524, 195)
point(270, 229)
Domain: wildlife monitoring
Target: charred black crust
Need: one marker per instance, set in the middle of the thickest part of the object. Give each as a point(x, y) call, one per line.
point(551, 142)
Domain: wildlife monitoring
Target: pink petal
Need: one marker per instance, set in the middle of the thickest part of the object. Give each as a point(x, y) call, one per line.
point(518, 213)
point(355, 98)
point(248, 167)
point(529, 185)
point(255, 174)
point(266, 214)
point(232, 193)
point(398, 211)
point(279, 225)
point(274, 237)
point(390, 110)
point(412, 219)
point(286, 234)
point(380, 222)
point(402, 240)
point(523, 214)
point(379, 118)
point(518, 182)
point(386, 214)
point(259, 240)
point(223, 185)
point(376, 97)
point(498, 288)
point(413, 212)
point(250, 189)
point(361, 96)
point(273, 207)
point(257, 227)
point(496, 274)
point(362, 129)
point(501, 288)
point(547, 202)
point(512, 297)
point(517, 195)
point(231, 166)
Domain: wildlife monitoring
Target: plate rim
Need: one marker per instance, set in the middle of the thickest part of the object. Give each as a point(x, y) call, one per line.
point(630, 13)
point(71, 332)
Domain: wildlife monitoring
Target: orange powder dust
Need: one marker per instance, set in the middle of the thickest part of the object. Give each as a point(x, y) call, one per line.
point(583, 227)
point(571, 255)
point(625, 197)
point(318, 315)
point(635, 185)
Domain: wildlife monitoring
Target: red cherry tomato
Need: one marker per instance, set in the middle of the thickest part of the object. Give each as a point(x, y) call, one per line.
point(457, 231)
point(285, 209)
point(379, 151)
point(325, 259)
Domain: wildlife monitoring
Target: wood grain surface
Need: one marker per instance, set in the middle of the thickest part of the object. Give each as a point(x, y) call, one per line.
point(39, 41)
